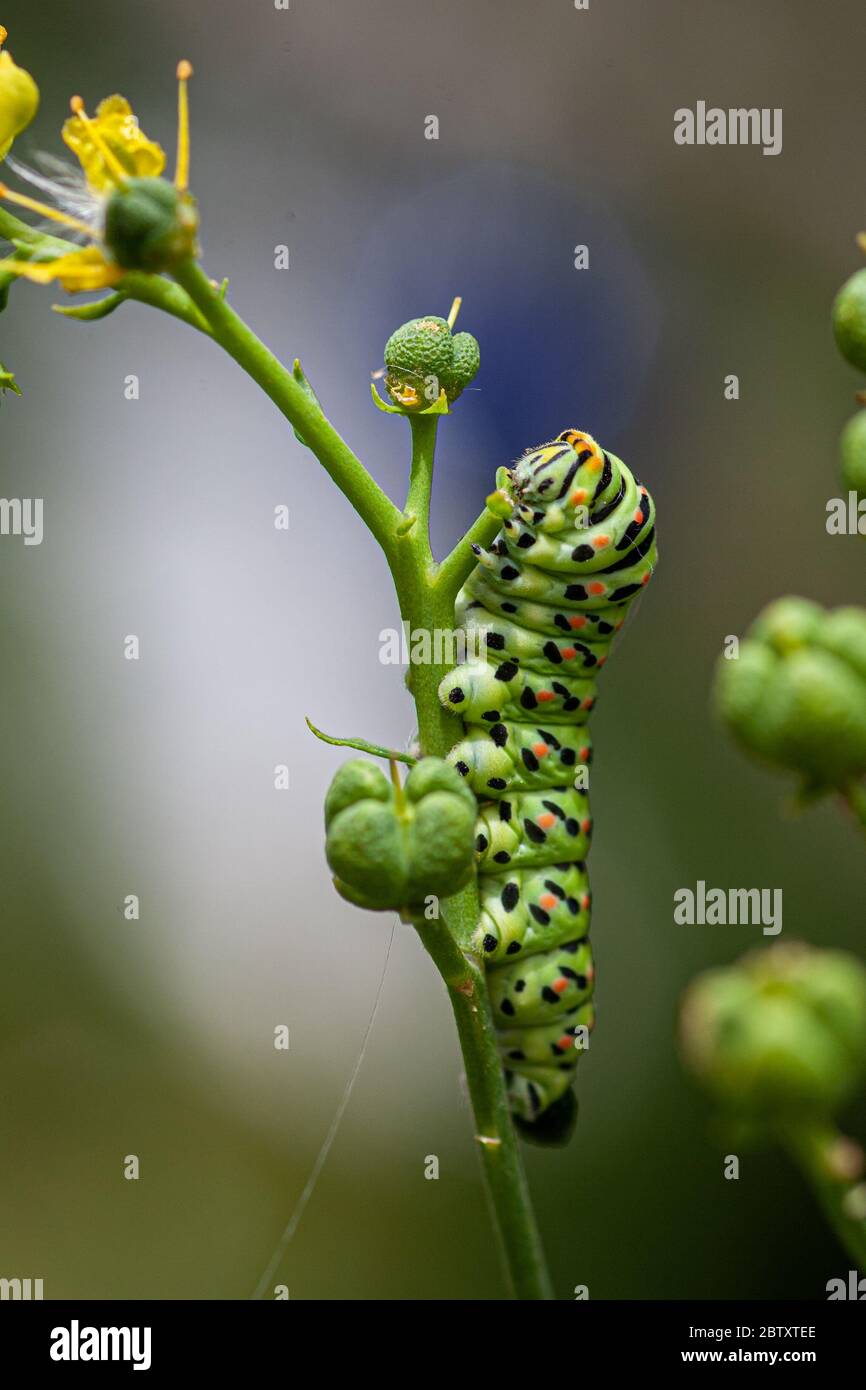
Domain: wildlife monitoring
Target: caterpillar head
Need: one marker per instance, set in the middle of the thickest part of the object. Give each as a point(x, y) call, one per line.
point(563, 474)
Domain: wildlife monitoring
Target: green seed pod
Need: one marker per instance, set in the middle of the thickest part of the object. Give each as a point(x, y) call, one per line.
point(852, 446)
point(389, 847)
point(422, 360)
point(849, 320)
point(780, 1034)
point(419, 358)
point(796, 695)
point(150, 226)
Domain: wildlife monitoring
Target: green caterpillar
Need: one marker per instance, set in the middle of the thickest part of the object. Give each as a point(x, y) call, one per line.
point(547, 599)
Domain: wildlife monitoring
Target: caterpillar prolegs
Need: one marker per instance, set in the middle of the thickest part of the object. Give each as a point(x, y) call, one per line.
point(547, 599)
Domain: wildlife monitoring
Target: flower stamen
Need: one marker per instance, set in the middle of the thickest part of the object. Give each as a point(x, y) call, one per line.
point(112, 163)
point(181, 177)
point(44, 209)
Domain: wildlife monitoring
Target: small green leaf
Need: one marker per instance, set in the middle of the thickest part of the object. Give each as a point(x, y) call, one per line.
point(300, 378)
point(361, 744)
point(439, 406)
point(8, 382)
point(89, 313)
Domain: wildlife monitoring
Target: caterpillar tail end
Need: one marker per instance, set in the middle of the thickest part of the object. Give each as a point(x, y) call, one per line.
point(554, 1128)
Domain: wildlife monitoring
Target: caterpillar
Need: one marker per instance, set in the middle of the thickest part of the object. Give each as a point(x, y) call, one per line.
point(546, 600)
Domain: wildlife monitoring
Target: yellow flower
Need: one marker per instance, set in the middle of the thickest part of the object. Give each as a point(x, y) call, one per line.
point(19, 99)
point(113, 151)
point(113, 129)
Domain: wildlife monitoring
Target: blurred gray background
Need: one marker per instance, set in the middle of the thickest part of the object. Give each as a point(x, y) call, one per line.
point(156, 777)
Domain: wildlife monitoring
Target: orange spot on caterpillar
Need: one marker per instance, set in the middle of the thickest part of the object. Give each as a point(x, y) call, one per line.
point(638, 516)
point(586, 826)
point(546, 820)
point(564, 1043)
point(568, 653)
point(579, 496)
point(545, 695)
point(540, 750)
point(583, 754)
point(547, 900)
point(559, 986)
point(596, 588)
point(590, 972)
point(594, 465)
point(584, 902)
point(601, 661)
point(587, 703)
point(600, 542)
point(644, 491)
point(577, 621)
point(647, 577)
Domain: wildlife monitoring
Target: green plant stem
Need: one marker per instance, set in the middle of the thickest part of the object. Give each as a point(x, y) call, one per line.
point(425, 603)
point(426, 594)
point(494, 1132)
point(456, 568)
point(812, 1147)
point(855, 797)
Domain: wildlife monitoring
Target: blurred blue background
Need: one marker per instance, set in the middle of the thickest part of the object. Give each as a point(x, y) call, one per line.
point(156, 1037)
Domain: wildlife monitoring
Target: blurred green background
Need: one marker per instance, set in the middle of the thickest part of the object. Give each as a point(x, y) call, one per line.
point(156, 777)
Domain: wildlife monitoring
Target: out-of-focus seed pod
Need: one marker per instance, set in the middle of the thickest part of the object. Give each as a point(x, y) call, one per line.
point(781, 1034)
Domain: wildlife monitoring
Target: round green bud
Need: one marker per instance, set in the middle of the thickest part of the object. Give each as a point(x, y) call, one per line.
point(365, 842)
point(780, 1034)
point(392, 848)
point(787, 623)
point(852, 446)
point(419, 357)
point(796, 694)
point(849, 320)
point(19, 99)
point(150, 226)
point(467, 360)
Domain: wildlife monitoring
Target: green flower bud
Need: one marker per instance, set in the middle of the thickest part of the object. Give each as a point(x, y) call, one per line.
point(779, 1035)
point(849, 320)
point(422, 359)
point(149, 225)
point(852, 446)
point(19, 99)
point(467, 360)
point(389, 847)
point(796, 694)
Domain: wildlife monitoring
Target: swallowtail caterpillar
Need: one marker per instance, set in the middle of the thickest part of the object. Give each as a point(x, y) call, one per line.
point(576, 548)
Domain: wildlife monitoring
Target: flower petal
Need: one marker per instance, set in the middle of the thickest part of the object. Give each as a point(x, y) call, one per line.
point(117, 126)
point(80, 270)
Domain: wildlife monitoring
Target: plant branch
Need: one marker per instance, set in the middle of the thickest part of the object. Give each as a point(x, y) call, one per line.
point(456, 568)
point(297, 405)
point(426, 604)
point(494, 1132)
point(832, 1165)
point(855, 798)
